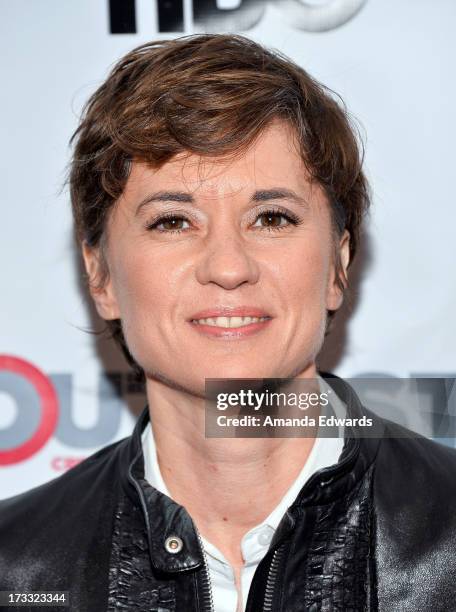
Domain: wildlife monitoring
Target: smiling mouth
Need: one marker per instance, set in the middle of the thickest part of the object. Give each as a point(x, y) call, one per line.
point(229, 322)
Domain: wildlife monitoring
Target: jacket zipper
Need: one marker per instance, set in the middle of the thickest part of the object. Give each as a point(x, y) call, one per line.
point(207, 597)
point(272, 579)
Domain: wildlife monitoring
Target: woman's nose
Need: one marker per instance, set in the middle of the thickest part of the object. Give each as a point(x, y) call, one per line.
point(227, 262)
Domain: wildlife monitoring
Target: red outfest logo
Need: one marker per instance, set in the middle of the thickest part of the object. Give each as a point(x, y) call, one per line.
point(48, 406)
point(44, 405)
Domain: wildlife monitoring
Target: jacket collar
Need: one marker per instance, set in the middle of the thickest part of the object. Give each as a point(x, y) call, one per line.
point(165, 518)
point(358, 453)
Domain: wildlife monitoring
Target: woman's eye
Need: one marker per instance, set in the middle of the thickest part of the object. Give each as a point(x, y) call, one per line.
point(270, 220)
point(169, 224)
point(273, 220)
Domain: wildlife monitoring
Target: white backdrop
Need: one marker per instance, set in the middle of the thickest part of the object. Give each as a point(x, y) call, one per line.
point(393, 63)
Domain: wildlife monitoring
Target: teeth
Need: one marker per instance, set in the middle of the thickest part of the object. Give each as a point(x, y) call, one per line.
point(229, 321)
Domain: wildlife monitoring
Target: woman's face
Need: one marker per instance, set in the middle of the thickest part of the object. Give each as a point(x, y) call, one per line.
point(200, 243)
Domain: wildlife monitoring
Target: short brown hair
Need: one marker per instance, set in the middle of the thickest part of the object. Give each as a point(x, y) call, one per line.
point(209, 95)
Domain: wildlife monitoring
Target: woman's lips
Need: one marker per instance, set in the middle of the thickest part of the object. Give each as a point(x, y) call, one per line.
point(231, 327)
point(230, 311)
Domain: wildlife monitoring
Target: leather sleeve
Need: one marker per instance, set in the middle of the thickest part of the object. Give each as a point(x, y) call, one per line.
point(57, 536)
point(415, 516)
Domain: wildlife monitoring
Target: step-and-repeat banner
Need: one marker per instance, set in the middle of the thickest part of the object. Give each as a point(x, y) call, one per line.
point(64, 392)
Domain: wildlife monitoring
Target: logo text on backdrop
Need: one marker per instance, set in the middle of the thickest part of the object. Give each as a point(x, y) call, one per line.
point(234, 15)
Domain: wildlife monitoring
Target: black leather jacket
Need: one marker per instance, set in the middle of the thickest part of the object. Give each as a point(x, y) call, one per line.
point(375, 532)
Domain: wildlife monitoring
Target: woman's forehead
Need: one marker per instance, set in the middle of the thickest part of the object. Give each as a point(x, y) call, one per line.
point(271, 162)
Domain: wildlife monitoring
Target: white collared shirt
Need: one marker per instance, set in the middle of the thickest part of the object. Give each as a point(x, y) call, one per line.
point(255, 543)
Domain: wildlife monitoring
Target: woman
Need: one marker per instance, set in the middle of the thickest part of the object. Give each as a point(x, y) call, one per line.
point(218, 194)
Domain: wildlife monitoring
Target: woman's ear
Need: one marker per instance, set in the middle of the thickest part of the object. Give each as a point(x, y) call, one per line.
point(99, 282)
point(338, 276)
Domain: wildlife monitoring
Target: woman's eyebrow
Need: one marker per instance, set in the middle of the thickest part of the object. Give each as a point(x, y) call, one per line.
point(165, 196)
point(266, 195)
point(262, 195)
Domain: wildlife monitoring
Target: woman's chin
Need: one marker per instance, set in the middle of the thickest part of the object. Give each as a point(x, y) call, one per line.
point(240, 370)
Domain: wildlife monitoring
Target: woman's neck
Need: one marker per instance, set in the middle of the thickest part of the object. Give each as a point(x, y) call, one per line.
point(228, 485)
